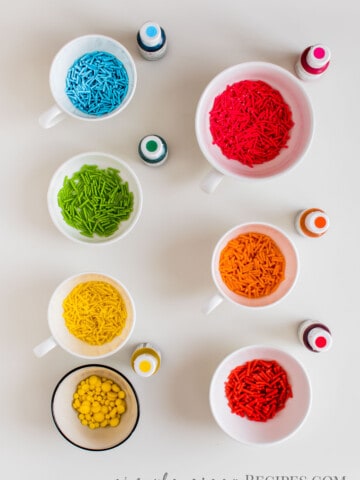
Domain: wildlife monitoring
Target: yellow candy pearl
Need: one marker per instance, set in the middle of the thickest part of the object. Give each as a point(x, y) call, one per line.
point(99, 402)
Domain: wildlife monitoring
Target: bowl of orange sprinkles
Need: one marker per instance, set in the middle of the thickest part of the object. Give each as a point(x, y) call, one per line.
point(255, 265)
point(260, 395)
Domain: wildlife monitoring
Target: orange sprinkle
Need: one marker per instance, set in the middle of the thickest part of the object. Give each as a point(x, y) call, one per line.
point(252, 265)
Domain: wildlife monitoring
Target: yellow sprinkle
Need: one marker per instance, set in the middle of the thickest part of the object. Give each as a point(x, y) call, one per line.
point(94, 312)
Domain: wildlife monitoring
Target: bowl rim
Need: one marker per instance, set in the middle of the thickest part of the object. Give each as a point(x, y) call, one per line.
point(240, 66)
point(83, 367)
point(254, 348)
point(106, 240)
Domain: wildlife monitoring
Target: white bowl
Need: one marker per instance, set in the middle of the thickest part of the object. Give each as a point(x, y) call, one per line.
point(103, 161)
point(75, 49)
point(294, 95)
point(292, 268)
point(285, 423)
point(65, 416)
point(61, 336)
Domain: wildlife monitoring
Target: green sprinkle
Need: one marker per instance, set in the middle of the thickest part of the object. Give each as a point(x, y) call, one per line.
point(95, 201)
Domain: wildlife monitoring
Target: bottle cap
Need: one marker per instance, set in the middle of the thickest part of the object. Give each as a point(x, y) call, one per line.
point(153, 150)
point(319, 339)
point(318, 56)
point(150, 34)
point(145, 365)
point(317, 222)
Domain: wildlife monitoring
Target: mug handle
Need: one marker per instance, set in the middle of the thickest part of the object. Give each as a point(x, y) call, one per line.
point(51, 117)
point(212, 303)
point(211, 180)
point(44, 347)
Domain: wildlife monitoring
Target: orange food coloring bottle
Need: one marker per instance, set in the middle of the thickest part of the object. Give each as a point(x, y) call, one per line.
point(312, 222)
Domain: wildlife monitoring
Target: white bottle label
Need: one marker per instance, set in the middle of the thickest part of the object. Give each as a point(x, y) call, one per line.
point(155, 55)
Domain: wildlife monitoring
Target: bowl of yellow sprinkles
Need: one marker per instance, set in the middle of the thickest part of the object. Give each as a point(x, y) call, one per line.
point(90, 315)
point(95, 407)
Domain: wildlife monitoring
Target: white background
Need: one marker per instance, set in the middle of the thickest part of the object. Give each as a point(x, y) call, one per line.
point(165, 260)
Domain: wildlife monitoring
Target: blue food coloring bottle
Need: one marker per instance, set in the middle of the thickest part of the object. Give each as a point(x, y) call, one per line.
point(152, 41)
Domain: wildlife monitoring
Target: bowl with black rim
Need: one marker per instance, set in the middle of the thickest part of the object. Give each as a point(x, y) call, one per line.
point(66, 418)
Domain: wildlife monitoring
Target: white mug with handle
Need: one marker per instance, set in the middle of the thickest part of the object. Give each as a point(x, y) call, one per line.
point(288, 250)
point(301, 133)
point(61, 336)
point(60, 66)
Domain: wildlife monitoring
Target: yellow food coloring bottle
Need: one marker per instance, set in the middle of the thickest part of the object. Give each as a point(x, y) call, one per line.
point(146, 360)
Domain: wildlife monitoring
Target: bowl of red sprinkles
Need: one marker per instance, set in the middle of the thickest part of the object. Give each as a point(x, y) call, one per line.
point(253, 121)
point(260, 395)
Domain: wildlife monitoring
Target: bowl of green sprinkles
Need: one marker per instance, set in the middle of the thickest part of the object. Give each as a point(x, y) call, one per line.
point(94, 198)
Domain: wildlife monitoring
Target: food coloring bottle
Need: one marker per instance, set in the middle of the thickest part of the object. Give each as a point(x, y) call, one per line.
point(146, 360)
point(312, 222)
point(151, 40)
point(313, 62)
point(153, 150)
point(315, 336)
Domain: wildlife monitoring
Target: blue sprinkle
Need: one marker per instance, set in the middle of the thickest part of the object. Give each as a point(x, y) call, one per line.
point(97, 83)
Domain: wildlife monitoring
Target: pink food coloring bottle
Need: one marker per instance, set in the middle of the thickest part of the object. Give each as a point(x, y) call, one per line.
point(315, 336)
point(313, 62)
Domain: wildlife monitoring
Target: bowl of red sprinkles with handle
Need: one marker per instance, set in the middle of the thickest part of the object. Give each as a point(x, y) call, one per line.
point(260, 395)
point(253, 121)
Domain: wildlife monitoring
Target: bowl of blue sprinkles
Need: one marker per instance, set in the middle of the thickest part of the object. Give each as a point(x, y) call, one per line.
point(94, 198)
point(93, 77)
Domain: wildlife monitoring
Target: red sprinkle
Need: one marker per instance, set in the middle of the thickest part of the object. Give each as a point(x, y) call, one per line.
point(250, 122)
point(258, 389)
